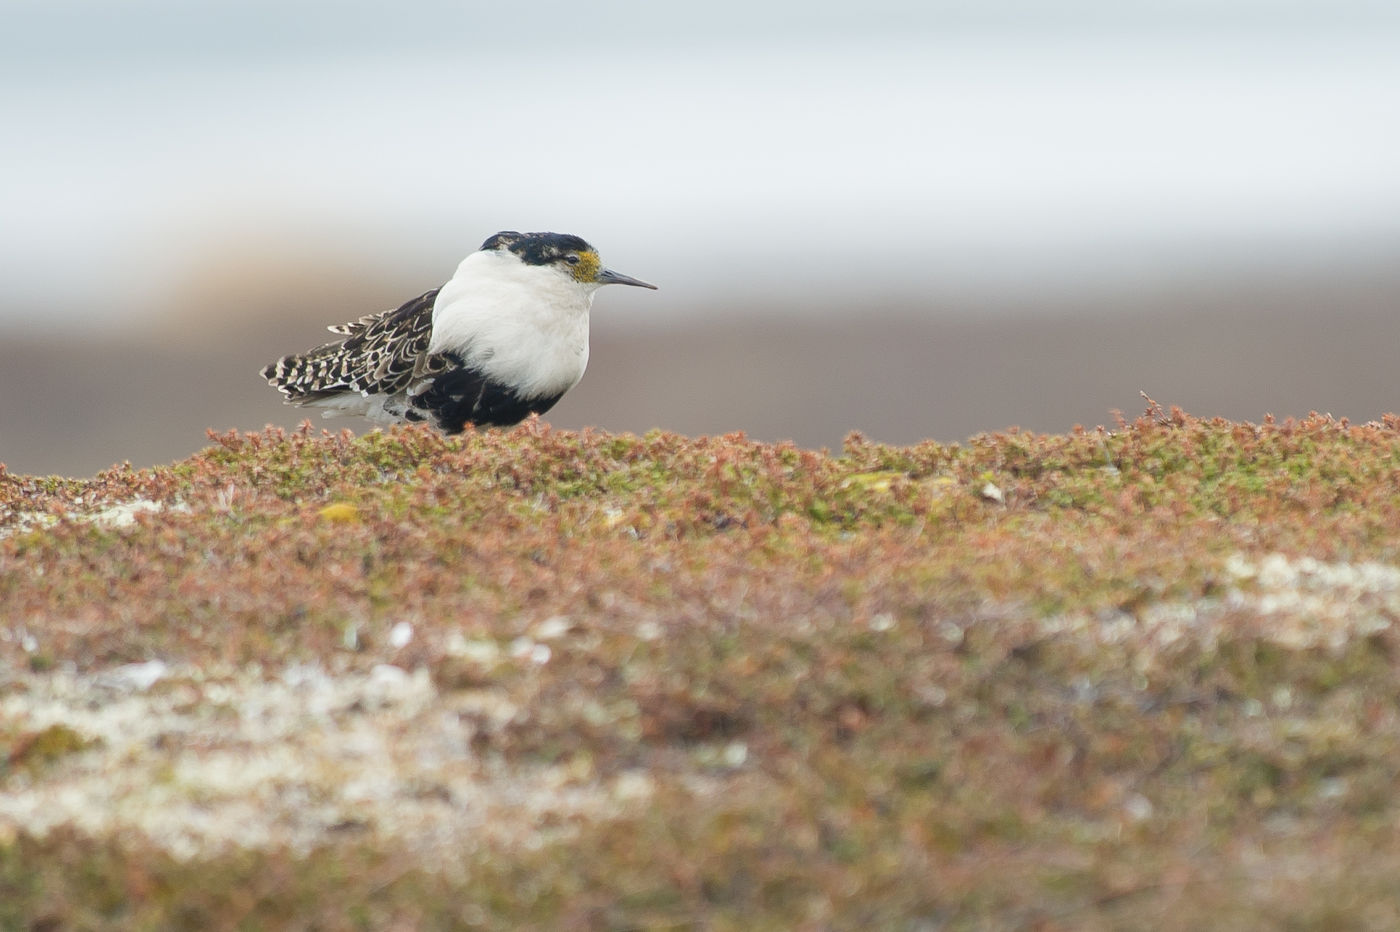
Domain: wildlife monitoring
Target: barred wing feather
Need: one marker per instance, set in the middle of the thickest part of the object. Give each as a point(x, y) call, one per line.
point(380, 354)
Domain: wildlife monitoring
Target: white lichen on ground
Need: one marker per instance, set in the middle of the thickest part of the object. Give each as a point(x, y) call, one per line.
point(116, 516)
point(199, 761)
point(1296, 603)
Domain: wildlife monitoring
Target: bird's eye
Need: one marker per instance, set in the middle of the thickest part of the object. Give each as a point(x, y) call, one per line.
point(572, 260)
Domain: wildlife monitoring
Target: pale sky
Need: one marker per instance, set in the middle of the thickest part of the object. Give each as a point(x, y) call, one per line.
point(786, 148)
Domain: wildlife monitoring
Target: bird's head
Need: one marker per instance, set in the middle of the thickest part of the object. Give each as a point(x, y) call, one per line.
point(563, 253)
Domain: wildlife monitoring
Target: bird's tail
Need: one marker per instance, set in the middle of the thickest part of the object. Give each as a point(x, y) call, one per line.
point(308, 377)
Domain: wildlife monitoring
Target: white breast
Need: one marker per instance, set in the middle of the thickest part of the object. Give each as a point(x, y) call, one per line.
point(525, 326)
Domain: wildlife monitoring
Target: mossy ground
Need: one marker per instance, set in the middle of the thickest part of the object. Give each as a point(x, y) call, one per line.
point(1143, 677)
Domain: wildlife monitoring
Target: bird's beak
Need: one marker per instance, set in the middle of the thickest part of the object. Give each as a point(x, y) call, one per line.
point(609, 277)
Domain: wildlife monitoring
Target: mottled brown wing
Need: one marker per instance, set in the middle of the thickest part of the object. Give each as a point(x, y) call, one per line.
point(381, 354)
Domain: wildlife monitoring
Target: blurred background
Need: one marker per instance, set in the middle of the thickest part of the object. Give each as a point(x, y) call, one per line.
point(914, 219)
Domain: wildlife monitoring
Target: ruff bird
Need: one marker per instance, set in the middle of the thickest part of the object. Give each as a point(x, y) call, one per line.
point(504, 338)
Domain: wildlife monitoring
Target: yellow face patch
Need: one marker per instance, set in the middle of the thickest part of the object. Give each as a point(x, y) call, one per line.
point(589, 265)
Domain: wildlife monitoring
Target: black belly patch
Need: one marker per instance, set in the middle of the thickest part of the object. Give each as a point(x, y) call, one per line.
point(463, 396)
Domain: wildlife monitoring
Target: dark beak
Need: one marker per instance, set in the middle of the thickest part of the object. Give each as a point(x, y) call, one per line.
point(609, 277)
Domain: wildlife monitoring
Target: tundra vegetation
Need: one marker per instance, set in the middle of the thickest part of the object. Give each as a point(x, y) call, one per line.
point(1142, 676)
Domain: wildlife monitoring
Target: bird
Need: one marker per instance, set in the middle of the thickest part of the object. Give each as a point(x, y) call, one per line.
point(504, 338)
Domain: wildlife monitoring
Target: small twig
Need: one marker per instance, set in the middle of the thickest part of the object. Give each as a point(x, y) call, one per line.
point(1155, 411)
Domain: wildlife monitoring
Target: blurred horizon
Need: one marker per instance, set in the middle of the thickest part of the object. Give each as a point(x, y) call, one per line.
point(224, 179)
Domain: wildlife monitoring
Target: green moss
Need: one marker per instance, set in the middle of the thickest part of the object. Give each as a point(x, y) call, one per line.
point(36, 751)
